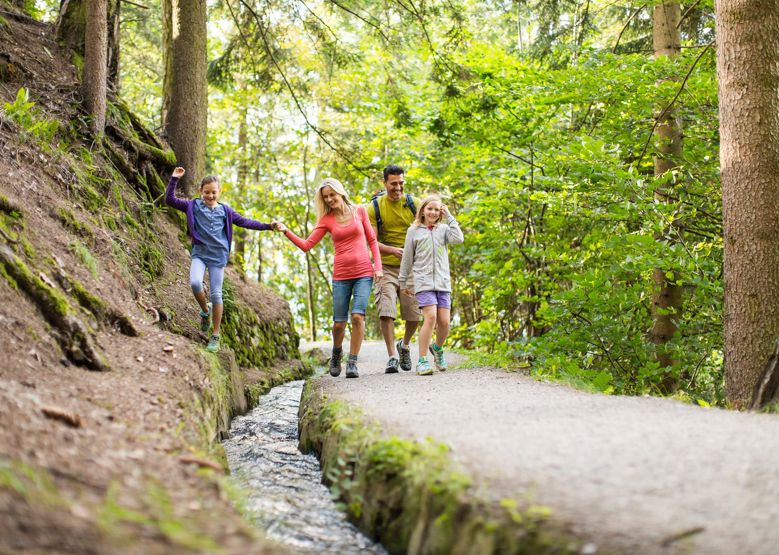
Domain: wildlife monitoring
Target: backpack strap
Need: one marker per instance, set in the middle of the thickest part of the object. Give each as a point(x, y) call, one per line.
point(376, 210)
point(410, 204)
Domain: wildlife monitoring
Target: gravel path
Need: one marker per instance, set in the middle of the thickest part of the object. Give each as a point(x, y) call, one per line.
point(638, 475)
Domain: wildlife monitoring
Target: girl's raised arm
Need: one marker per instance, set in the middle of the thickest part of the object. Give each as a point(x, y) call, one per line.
point(454, 235)
point(170, 192)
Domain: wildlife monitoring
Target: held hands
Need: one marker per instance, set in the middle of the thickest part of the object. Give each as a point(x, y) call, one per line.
point(278, 226)
point(378, 274)
point(407, 292)
point(178, 172)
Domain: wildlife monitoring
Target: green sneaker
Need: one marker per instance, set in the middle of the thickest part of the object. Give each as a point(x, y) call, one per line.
point(438, 357)
point(423, 367)
point(213, 344)
point(205, 318)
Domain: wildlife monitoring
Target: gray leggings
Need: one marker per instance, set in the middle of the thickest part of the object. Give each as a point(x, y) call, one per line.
point(216, 276)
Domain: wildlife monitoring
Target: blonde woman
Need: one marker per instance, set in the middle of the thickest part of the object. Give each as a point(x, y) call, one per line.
point(426, 259)
point(353, 271)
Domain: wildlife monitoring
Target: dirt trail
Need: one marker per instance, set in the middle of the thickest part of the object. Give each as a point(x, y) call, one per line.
point(634, 475)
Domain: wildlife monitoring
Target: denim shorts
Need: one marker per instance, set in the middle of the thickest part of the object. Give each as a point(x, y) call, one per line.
point(443, 299)
point(357, 290)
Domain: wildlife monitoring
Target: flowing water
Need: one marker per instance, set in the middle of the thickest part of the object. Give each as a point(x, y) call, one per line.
point(284, 486)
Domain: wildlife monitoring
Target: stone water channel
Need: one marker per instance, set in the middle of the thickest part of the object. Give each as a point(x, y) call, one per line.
point(284, 486)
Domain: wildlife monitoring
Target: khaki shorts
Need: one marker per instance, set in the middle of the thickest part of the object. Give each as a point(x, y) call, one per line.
point(387, 291)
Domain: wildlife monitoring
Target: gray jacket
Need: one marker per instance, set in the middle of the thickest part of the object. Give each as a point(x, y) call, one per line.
point(425, 256)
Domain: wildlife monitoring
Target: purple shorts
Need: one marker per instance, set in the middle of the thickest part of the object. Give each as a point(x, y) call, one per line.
point(441, 298)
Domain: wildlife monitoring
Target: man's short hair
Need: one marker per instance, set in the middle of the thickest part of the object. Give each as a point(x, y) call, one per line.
point(393, 169)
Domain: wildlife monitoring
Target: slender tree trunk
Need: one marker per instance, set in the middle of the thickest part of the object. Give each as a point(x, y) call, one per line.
point(167, 58)
point(666, 295)
point(243, 179)
point(71, 24)
point(96, 65)
point(311, 297)
point(114, 11)
point(186, 92)
point(748, 78)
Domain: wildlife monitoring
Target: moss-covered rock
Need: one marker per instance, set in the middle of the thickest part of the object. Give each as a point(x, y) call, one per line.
point(410, 496)
point(257, 342)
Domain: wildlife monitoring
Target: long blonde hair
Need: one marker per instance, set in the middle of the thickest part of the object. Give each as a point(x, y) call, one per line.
point(419, 219)
point(322, 209)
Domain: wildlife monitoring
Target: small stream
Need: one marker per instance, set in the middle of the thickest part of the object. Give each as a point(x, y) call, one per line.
point(284, 486)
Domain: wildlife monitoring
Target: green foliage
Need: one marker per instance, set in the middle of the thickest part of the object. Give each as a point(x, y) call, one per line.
point(535, 124)
point(85, 256)
point(22, 111)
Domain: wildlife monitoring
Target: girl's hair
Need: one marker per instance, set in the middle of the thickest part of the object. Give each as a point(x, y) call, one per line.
point(419, 219)
point(209, 179)
point(322, 209)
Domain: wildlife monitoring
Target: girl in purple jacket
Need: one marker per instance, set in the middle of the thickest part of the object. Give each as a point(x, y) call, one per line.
point(210, 226)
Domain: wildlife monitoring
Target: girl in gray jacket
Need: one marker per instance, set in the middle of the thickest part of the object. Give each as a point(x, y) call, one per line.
point(426, 259)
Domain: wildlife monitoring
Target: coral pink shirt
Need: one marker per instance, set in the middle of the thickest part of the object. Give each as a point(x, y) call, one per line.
point(352, 258)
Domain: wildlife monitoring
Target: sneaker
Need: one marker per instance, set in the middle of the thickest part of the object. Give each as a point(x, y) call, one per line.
point(392, 366)
point(405, 356)
point(335, 364)
point(423, 367)
point(438, 357)
point(213, 344)
point(205, 318)
point(351, 370)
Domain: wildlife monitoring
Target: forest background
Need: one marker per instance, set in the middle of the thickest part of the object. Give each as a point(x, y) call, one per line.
point(580, 157)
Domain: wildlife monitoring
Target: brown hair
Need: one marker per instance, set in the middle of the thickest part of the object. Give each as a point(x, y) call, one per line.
point(209, 179)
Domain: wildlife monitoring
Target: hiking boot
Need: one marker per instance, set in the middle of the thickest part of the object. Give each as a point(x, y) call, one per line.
point(335, 364)
point(213, 344)
point(405, 356)
point(392, 366)
point(423, 367)
point(205, 318)
point(351, 370)
point(438, 357)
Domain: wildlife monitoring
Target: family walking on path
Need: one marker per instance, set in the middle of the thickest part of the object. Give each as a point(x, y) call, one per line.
point(390, 246)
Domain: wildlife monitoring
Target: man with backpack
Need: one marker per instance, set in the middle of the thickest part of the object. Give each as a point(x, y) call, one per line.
point(391, 212)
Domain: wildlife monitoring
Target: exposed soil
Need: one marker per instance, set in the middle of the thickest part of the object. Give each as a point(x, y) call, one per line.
point(115, 461)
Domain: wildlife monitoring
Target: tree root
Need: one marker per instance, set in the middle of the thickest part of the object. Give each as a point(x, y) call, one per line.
point(74, 336)
point(766, 388)
point(104, 314)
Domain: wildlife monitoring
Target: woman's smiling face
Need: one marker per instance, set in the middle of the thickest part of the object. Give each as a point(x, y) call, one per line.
point(331, 198)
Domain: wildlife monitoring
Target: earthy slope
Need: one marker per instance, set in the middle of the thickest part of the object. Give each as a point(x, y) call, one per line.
point(110, 419)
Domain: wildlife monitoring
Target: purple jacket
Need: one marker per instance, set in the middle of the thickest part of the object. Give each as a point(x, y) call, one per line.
point(188, 206)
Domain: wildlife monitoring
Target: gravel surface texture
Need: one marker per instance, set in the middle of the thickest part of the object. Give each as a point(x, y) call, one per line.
point(635, 475)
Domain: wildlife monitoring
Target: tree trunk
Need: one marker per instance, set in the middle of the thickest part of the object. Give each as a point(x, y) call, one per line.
point(96, 65)
point(243, 182)
point(748, 78)
point(72, 24)
point(114, 11)
point(666, 295)
point(311, 297)
point(185, 89)
point(71, 30)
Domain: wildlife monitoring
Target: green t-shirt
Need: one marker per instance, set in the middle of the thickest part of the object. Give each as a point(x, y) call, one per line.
point(395, 219)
